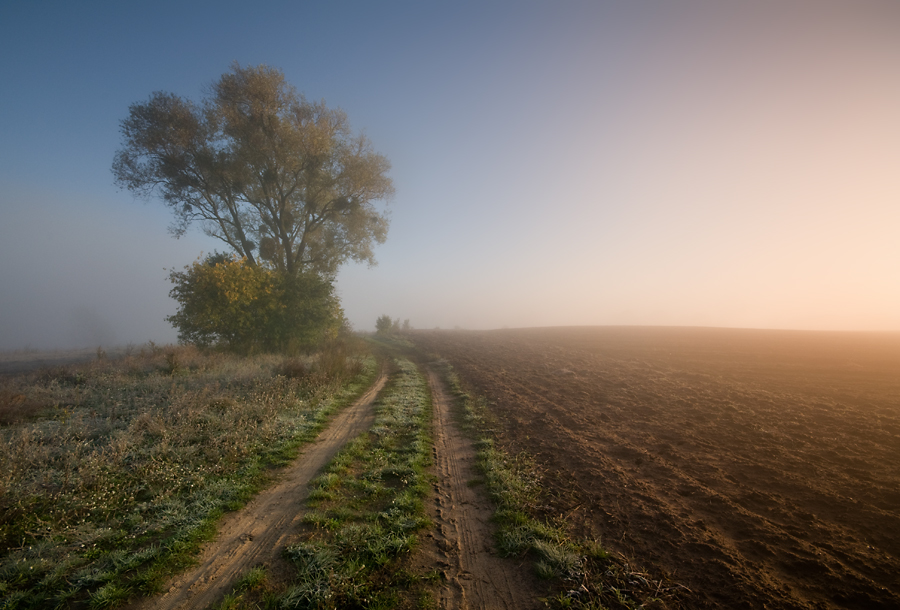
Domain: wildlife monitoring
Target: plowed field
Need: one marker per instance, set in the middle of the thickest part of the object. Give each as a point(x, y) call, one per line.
point(756, 468)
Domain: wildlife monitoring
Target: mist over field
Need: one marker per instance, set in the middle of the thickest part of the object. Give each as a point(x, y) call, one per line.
point(573, 163)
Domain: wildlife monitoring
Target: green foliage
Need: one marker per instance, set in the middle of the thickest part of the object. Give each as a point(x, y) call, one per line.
point(224, 301)
point(281, 180)
point(253, 579)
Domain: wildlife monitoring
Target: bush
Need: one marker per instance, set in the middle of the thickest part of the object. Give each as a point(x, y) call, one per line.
point(225, 301)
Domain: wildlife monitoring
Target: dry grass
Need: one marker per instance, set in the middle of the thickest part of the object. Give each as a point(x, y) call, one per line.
point(112, 468)
point(16, 407)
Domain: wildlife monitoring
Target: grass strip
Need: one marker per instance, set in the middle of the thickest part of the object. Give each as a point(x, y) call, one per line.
point(586, 576)
point(124, 467)
point(367, 507)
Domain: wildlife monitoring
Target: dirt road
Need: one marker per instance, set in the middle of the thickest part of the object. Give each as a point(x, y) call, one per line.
point(256, 535)
point(460, 547)
point(473, 575)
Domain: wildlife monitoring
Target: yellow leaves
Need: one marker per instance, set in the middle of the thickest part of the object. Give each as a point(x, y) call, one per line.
point(227, 301)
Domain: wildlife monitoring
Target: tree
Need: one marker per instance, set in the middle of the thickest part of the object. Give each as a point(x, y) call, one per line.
point(384, 324)
point(281, 180)
point(224, 301)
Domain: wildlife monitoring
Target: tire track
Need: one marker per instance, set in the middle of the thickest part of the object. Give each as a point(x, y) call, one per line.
point(256, 534)
point(475, 577)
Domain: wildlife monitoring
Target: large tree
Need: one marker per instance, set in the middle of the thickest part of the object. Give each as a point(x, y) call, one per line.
point(281, 180)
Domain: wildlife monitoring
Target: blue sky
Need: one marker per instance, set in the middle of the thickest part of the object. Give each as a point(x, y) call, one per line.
point(556, 163)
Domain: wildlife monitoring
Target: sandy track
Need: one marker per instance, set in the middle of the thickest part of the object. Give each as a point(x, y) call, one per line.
point(474, 577)
point(256, 534)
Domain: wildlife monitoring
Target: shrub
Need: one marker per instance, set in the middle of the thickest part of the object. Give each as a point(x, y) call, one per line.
point(227, 302)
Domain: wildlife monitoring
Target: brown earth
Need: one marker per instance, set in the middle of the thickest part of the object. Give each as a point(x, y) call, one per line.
point(760, 469)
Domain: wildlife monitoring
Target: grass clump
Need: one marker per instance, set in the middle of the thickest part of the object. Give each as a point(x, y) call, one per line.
point(368, 507)
point(251, 590)
point(112, 484)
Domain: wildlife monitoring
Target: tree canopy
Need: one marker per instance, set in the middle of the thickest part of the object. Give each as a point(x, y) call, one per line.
point(282, 181)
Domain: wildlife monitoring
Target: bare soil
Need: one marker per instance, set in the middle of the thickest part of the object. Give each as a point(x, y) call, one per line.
point(472, 575)
point(760, 469)
point(256, 535)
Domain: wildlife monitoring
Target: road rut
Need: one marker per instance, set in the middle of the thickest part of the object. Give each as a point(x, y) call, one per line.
point(474, 576)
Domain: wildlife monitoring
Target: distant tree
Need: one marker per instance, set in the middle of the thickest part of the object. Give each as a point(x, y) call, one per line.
point(384, 324)
point(406, 325)
point(281, 180)
point(224, 301)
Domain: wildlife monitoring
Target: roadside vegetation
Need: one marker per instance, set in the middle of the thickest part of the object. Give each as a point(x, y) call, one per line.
point(367, 508)
point(365, 512)
point(114, 471)
point(585, 575)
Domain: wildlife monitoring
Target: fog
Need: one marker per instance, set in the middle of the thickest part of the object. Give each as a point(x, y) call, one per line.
point(571, 163)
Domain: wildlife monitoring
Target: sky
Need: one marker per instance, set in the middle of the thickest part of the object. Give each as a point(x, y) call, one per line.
point(665, 162)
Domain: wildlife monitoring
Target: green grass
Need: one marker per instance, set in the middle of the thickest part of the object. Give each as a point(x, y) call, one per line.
point(124, 467)
point(367, 510)
point(251, 591)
